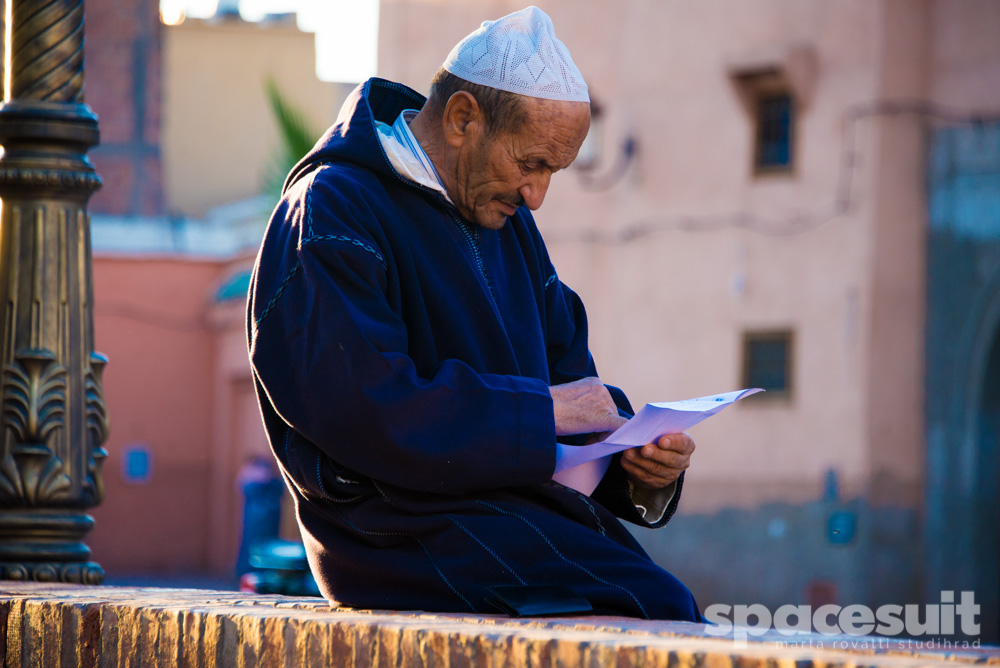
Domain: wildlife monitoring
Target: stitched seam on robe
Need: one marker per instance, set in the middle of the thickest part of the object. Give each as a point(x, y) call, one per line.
point(277, 294)
point(349, 240)
point(483, 545)
point(309, 191)
point(559, 554)
point(311, 236)
point(422, 546)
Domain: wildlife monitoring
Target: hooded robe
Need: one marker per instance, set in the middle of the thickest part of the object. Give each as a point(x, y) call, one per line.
point(402, 358)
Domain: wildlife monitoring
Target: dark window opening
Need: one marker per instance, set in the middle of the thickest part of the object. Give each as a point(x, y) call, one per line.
point(767, 363)
point(775, 116)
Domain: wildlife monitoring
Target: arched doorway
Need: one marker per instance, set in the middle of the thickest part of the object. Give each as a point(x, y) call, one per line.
point(962, 409)
point(988, 427)
point(962, 528)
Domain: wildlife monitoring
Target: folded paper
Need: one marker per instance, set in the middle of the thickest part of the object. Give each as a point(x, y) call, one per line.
point(582, 466)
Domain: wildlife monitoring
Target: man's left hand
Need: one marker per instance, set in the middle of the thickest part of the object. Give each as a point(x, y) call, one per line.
point(656, 465)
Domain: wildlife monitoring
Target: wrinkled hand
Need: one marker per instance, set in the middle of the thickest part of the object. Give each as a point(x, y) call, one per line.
point(656, 465)
point(584, 407)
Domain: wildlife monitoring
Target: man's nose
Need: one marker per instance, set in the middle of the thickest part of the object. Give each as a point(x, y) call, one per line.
point(533, 190)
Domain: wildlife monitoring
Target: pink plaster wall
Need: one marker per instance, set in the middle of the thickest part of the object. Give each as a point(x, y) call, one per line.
point(150, 320)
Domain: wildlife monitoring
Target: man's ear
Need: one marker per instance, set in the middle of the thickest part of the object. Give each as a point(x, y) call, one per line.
point(462, 119)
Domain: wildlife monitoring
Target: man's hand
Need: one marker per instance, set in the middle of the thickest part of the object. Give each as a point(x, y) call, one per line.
point(584, 407)
point(656, 465)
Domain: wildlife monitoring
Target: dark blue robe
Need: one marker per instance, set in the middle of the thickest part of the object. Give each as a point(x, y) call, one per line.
point(402, 358)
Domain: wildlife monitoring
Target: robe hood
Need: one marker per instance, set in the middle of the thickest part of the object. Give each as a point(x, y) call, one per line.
point(353, 137)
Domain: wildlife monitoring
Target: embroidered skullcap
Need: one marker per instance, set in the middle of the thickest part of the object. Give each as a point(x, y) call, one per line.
point(519, 54)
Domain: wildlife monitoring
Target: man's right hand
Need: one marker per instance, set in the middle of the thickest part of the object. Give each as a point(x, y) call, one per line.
point(584, 407)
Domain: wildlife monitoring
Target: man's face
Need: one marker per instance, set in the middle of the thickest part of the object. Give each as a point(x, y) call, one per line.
point(496, 174)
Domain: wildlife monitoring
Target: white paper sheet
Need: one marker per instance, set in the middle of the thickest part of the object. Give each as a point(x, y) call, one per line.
point(582, 466)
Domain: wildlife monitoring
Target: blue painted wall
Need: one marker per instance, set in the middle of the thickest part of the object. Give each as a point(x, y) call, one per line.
point(962, 511)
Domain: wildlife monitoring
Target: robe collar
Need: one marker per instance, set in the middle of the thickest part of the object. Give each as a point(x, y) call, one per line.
point(406, 155)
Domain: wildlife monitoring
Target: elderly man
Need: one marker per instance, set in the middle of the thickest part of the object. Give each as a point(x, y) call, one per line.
point(416, 356)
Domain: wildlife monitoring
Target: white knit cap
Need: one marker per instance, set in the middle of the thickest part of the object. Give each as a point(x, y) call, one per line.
point(519, 54)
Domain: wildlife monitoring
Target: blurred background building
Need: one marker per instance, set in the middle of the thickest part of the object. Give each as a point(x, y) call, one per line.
point(188, 144)
point(794, 194)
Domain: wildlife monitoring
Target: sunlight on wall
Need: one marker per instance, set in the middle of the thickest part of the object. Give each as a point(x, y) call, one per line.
point(346, 30)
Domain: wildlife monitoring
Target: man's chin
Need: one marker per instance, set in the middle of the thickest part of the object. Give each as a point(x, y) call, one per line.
point(494, 221)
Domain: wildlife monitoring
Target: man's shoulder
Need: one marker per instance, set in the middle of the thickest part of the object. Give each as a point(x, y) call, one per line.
point(338, 199)
point(339, 176)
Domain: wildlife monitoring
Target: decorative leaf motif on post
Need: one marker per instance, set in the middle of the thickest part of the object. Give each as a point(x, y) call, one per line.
point(45, 478)
point(34, 407)
point(97, 427)
point(34, 395)
point(10, 478)
point(94, 484)
point(97, 413)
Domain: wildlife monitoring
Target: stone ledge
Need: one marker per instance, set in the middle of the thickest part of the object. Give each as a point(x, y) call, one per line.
point(77, 625)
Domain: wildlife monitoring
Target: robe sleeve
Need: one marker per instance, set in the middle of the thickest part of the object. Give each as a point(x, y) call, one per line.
point(330, 352)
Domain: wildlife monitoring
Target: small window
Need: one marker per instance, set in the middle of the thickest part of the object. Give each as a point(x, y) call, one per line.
point(137, 464)
point(775, 123)
point(767, 363)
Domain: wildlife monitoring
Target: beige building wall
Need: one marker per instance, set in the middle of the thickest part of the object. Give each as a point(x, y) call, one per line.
point(894, 418)
point(219, 135)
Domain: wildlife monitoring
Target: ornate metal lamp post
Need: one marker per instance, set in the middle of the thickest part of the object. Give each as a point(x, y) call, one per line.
point(52, 409)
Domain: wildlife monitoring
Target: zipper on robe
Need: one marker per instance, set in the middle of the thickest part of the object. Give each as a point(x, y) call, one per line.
point(471, 236)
